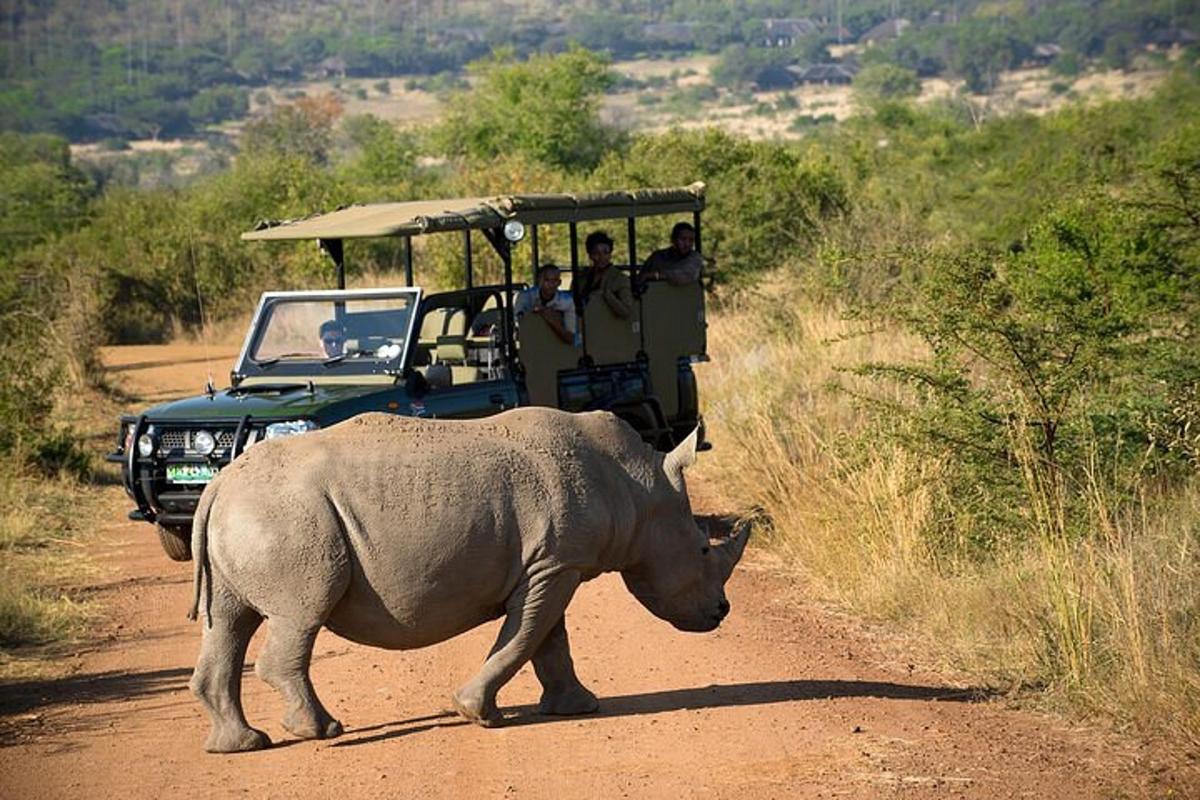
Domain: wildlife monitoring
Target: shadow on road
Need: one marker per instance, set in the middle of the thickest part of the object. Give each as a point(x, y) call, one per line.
point(738, 694)
point(169, 362)
point(20, 697)
point(752, 694)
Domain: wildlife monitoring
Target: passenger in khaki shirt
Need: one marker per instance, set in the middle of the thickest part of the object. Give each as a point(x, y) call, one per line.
point(603, 278)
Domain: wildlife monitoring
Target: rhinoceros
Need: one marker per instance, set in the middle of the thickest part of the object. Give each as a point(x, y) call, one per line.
point(399, 533)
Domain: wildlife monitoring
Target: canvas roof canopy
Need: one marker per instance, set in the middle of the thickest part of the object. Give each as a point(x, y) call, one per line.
point(472, 213)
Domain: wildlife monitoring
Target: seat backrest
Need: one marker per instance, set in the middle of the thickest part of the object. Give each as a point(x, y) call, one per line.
point(610, 339)
point(452, 350)
point(675, 328)
point(543, 354)
point(433, 324)
point(456, 322)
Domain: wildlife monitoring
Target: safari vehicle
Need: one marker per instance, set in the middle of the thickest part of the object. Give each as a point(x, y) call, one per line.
point(314, 358)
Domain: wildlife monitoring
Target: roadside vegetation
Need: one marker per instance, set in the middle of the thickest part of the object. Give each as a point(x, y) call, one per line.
point(958, 358)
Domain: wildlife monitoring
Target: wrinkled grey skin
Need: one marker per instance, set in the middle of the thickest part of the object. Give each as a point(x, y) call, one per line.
point(400, 532)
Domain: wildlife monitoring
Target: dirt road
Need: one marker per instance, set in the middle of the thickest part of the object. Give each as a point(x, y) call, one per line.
point(783, 701)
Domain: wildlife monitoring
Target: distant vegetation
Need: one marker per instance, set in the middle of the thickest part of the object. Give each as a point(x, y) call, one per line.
point(108, 70)
point(991, 443)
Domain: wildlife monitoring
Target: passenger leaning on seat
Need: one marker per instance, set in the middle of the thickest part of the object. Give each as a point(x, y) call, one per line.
point(612, 284)
point(546, 301)
point(678, 264)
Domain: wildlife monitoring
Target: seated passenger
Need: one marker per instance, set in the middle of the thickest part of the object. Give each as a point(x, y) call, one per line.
point(545, 300)
point(678, 264)
point(333, 338)
point(603, 277)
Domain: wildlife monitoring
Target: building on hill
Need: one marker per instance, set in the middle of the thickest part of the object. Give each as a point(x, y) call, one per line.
point(824, 74)
point(329, 69)
point(885, 31)
point(774, 78)
point(787, 31)
point(1043, 54)
point(1168, 38)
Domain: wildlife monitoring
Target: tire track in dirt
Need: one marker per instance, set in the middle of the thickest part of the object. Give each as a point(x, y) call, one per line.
point(783, 700)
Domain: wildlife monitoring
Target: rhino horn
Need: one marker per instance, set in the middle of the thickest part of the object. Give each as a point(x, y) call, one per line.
point(733, 547)
point(682, 457)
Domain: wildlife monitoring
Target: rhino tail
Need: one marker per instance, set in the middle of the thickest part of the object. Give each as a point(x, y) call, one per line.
point(200, 565)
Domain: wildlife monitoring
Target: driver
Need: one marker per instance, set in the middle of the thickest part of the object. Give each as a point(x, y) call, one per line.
point(333, 338)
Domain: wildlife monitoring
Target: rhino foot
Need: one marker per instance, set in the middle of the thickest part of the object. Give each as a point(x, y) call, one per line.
point(304, 727)
point(474, 708)
point(237, 741)
point(575, 700)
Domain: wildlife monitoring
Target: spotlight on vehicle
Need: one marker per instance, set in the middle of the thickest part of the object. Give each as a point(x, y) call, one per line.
point(203, 443)
point(514, 230)
point(146, 445)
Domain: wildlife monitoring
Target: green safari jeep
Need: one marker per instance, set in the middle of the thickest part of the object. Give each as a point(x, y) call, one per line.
point(314, 358)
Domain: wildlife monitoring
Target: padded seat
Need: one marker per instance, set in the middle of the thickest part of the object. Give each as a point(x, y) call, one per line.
point(610, 339)
point(543, 354)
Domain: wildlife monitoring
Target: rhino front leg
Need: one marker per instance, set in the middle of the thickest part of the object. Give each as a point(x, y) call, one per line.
point(562, 693)
point(284, 665)
point(533, 613)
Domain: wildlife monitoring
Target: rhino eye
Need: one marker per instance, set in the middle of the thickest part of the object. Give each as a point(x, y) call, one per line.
point(704, 550)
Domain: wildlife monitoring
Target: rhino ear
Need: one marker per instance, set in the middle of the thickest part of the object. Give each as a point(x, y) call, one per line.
point(682, 457)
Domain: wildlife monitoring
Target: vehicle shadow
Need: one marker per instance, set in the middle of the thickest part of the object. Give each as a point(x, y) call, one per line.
point(716, 696)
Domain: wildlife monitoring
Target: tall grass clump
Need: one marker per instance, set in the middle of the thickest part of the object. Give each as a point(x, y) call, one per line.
point(993, 443)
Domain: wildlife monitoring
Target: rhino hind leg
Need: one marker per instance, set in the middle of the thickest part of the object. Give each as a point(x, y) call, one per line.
point(533, 612)
point(562, 693)
point(217, 679)
point(284, 664)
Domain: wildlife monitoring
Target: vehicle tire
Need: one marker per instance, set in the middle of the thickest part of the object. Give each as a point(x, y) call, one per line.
point(176, 541)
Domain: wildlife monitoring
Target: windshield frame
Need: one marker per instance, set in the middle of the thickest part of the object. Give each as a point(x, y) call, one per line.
point(293, 370)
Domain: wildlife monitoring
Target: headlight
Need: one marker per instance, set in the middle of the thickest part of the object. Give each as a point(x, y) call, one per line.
point(146, 445)
point(203, 443)
point(289, 428)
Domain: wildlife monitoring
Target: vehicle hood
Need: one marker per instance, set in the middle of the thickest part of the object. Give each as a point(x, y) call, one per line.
point(283, 399)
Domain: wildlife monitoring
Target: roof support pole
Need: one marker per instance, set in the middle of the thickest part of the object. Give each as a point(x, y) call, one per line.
point(533, 238)
point(467, 265)
point(333, 249)
point(503, 248)
point(408, 261)
point(631, 236)
point(696, 225)
point(574, 229)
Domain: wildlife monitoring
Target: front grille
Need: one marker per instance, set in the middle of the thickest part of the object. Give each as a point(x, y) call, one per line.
point(174, 440)
point(178, 441)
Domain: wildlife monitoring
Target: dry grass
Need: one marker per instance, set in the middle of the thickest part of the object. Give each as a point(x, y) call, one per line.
point(1107, 625)
point(39, 559)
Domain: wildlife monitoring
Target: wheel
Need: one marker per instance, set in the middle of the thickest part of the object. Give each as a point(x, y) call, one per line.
point(176, 542)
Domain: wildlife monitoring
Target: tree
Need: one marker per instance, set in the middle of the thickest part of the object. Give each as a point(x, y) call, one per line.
point(885, 82)
point(304, 129)
point(546, 107)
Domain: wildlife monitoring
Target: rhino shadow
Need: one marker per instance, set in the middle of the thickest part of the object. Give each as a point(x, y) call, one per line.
point(714, 696)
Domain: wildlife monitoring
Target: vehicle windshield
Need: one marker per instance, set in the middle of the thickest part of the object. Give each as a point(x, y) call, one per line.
point(333, 329)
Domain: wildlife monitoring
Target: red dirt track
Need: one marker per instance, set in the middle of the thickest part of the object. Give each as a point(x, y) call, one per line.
point(783, 701)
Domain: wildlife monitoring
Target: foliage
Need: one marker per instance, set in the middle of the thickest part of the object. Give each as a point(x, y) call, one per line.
point(303, 129)
point(740, 66)
point(877, 82)
point(383, 154)
point(546, 107)
point(771, 200)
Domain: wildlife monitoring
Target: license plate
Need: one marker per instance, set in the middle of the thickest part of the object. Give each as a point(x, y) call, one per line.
point(191, 473)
